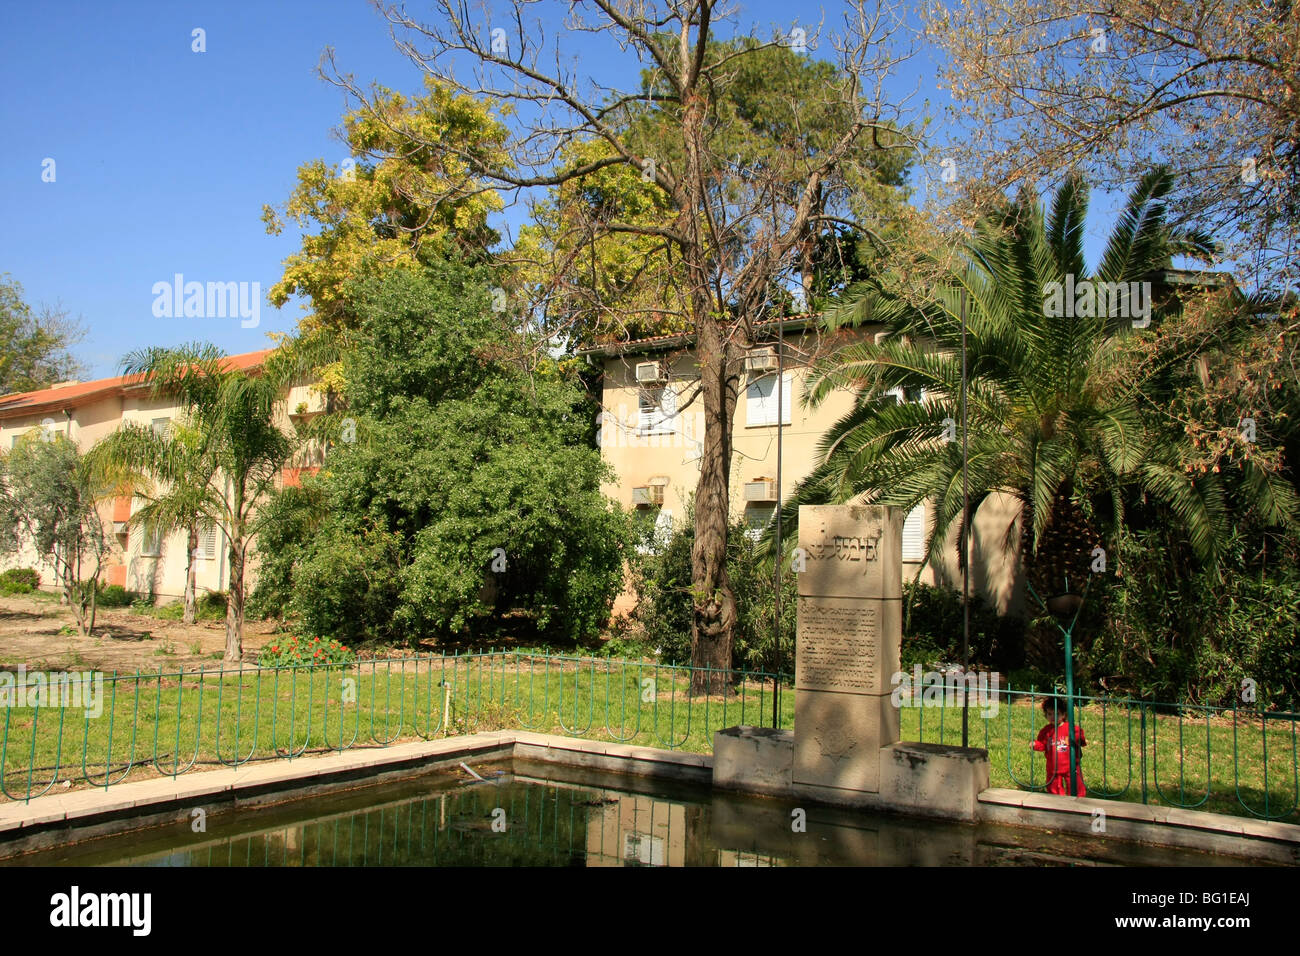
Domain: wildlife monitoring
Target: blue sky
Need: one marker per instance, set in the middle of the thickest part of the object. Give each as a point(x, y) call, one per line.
point(164, 157)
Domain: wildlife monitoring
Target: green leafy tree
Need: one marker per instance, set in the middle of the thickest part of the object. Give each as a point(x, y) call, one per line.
point(1058, 413)
point(405, 195)
point(33, 347)
point(47, 501)
point(236, 457)
point(469, 489)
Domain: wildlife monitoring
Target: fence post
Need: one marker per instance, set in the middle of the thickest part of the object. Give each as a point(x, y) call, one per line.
point(1142, 730)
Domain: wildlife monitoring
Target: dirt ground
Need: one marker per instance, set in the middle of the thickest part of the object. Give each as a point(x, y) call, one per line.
point(123, 641)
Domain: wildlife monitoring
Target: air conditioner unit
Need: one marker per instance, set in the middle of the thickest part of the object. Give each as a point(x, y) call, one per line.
point(647, 496)
point(764, 489)
point(648, 373)
point(761, 360)
point(120, 527)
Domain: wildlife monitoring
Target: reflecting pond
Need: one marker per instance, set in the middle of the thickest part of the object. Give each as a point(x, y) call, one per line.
point(532, 814)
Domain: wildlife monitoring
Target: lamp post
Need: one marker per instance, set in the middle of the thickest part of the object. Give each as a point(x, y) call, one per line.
point(1065, 605)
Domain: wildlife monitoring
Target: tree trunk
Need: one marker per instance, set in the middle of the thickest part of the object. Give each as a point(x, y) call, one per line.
point(714, 611)
point(714, 619)
point(193, 546)
point(235, 599)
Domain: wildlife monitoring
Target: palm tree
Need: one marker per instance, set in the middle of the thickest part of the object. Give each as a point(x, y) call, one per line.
point(1050, 422)
point(236, 456)
point(170, 471)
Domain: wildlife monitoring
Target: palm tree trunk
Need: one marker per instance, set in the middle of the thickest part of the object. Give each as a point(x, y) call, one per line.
point(1061, 561)
point(235, 601)
point(235, 596)
point(192, 546)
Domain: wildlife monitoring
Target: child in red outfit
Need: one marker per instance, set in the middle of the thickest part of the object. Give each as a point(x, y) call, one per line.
point(1053, 740)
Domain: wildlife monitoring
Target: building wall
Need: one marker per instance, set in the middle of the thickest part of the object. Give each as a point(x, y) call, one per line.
point(162, 574)
point(669, 454)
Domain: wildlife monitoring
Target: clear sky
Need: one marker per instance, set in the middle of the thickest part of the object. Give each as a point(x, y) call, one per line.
point(163, 157)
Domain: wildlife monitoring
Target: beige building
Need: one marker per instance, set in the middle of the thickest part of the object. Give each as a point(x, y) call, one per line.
point(651, 429)
point(87, 412)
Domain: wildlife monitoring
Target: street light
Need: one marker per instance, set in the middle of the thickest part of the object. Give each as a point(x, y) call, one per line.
point(1065, 605)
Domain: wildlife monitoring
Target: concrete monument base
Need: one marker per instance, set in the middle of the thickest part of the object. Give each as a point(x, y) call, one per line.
point(934, 779)
point(753, 759)
point(929, 780)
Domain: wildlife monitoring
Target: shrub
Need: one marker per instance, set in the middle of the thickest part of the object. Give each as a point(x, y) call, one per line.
point(470, 500)
point(933, 623)
point(171, 611)
point(347, 586)
point(210, 606)
point(662, 581)
point(1173, 635)
point(290, 519)
point(19, 581)
point(293, 652)
point(1027, 678)
point(114, 595)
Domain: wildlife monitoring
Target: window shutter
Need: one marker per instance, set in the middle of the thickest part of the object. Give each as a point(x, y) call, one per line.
point(761, 401)
point(668, 404)
point(914, 534)
point(150, 544)
point(658, 409)
point(208, 542)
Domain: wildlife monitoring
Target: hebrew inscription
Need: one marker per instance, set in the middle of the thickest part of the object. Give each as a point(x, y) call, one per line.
point(837, 645)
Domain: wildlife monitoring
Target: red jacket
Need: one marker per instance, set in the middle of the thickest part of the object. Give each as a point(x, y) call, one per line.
point(1053, 740)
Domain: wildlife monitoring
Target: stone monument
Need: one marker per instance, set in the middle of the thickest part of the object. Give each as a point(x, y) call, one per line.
point(845, 748)
point(847, 644)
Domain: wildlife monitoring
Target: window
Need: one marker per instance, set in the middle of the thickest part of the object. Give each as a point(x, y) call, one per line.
point(914, 534)
point(160, 426)
point(658, 537)
point(150, 543)
point(760, 401)
point(657, 411)
point(757, 518)
point(208, 543)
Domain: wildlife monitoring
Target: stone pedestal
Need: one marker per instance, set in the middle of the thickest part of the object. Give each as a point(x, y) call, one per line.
point(934, 779)
point(847, 645)
point(753, 759)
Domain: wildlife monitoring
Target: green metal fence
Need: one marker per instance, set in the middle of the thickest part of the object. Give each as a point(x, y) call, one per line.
point(1238, 761)
point(171, 722)
point(1241, 761)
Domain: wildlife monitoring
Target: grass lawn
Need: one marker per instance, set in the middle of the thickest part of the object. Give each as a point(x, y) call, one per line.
point(170, 722)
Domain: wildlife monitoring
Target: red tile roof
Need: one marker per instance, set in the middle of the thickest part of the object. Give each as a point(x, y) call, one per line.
point(650, 344)
point(83, 393)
